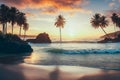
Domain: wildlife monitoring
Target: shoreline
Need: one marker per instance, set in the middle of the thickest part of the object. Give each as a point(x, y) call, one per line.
point(25, 71)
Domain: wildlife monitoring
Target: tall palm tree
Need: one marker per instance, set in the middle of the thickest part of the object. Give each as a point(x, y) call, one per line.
point(25, 28)
point(21, 19)
point(13, 15)
point(4, 16)
point(118, 22)
point(60, 21)
point(99, 21)
point(114, 19)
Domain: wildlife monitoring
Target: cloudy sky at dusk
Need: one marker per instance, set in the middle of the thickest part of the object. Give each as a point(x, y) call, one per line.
point(41, 16)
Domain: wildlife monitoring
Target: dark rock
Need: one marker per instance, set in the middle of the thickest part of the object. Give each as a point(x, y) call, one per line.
point(41, 38)
point(106, 40)
point(13, 44)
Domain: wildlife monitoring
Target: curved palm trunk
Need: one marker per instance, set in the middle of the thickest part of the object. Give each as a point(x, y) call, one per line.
point(20, 31)
point(105, 33)
point(60, 35)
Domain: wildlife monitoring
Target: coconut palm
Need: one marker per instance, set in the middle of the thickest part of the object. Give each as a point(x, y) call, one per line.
point(21, 19)
point(4, 16)
point(25, 28)
point(13, 15)
point(99, 21)
point(118, 22)
point(114, 19)
point(60, 21)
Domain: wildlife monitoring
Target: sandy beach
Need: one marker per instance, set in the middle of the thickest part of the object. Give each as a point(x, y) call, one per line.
point(39, 72)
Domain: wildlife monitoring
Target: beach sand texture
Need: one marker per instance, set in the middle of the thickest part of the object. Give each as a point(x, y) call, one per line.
point(36, 72)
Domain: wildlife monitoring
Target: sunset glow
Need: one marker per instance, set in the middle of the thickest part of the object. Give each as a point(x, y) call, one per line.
point(41, 16)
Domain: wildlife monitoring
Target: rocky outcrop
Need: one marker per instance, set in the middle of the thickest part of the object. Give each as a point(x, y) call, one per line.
point(13, 44)
point(41, 38)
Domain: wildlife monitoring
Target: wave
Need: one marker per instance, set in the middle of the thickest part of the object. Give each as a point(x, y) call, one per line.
point(84, 51)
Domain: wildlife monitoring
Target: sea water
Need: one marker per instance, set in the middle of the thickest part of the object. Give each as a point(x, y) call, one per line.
point(97, 55)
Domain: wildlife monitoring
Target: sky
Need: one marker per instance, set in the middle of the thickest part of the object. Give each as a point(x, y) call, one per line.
point(41, 16)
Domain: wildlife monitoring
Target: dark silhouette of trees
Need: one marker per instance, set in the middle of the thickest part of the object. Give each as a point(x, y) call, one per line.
point(21, 20)
point(114, 19)
point(99, 21)
point(4, 10)
point(13, 16)
point(60, 21)
point(25, 28)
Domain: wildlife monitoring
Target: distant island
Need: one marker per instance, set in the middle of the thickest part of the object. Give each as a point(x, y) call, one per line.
point(114, 37)
point(41, 38)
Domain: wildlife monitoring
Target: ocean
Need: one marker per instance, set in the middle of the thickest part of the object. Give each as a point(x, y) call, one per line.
point(96, 55)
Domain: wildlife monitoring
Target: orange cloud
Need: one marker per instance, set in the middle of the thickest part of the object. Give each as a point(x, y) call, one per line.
point(49, 6)
point(29, 14)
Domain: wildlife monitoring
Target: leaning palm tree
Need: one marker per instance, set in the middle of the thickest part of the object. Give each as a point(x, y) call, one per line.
point(60, 21)
point(98, 21)
point(4, 16)
point(13, 15)
point(25, 28)
point(21, 19)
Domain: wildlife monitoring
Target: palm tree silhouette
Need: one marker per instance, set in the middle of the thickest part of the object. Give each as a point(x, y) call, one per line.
point(99, 21)
point(25, 28)
point(21, 19)
point(4, 17)
point(13, 15)
point(60, 21)
point(114, 19)
point(118, 22)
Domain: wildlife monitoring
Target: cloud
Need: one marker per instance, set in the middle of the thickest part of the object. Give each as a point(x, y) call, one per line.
point(110, 12)
point(50, 6)
point(29, 14)
point(112, 4)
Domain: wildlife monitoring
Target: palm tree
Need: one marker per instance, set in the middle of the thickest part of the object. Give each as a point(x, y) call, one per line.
point(118, 22)
point(99, 21)
point(60, 21)
point(114, 19)
point(13, 15)
point(4, 16)
point(25, 28)
point(21, 19)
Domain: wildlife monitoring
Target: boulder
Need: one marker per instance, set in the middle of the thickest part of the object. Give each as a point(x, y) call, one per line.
point(41, 38)
point(13, 44)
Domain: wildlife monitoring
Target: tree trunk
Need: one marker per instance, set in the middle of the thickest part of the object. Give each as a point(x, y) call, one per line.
point(105, 33)
point(3, 30)
point(60, 35)
point(12, 29)
point(20, 31)
point(115, 35)
point(24, 34)
point(6, 29)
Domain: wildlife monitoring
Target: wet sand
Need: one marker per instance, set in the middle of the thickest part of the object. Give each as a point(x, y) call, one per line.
point(24, 71)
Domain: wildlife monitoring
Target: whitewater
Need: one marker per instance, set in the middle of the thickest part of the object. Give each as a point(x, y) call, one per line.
point(97, 55)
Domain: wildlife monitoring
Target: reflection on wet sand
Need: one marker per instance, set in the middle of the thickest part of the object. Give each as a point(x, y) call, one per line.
point(34, 72)
point(13, 68)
